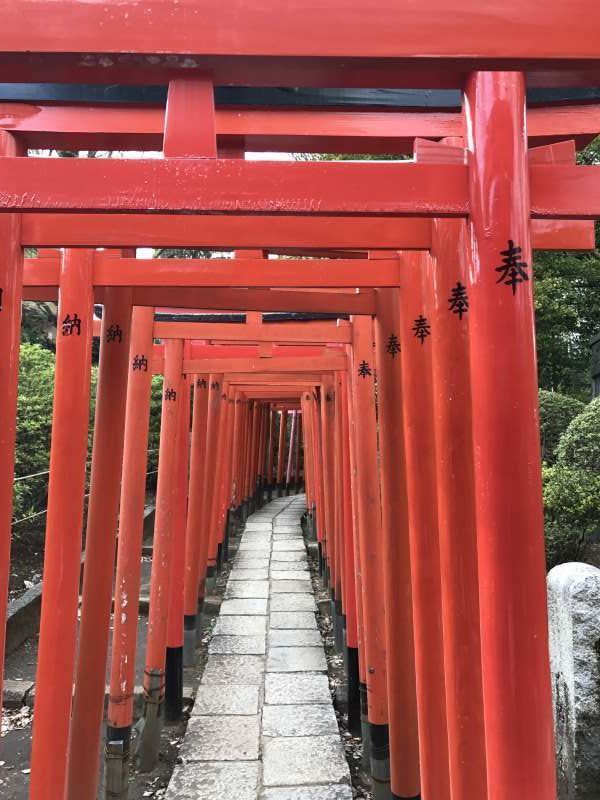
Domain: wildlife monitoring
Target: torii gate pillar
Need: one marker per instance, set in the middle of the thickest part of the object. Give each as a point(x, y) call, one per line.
point(508, 486)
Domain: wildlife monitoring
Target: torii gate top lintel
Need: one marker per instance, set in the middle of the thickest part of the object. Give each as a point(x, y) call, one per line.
point(380, 41)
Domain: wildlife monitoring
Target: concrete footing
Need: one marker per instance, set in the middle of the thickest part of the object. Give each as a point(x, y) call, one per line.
point(190, 625)
point(364, 728)
point(116, 763)
point(209, 584)
point(338, 625)
point(379, 740)
point(150, 725)
point(174, 684)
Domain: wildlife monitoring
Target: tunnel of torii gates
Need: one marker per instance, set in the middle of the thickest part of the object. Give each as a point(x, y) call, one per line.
point(414, 403)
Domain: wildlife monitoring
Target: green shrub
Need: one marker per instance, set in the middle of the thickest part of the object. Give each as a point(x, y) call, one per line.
point(34, 423)
point(34, 427)
point(154, 429)
point(556, 412)
point(579, 446)
point(572, 511)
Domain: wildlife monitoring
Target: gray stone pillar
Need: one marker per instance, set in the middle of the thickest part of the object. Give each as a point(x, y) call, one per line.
point(574, 613)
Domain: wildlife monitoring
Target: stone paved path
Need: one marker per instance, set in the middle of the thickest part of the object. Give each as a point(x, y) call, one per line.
point(263, 725)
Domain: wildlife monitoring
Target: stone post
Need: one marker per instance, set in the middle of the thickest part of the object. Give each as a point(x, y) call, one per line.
point(574, 603)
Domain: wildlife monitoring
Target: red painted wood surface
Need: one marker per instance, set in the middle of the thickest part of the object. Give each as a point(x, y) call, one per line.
point(100, 543)
point(421, 484)
point(62, 556)
point(233, 186)
point(283, 233)
point(518, 715)
point(274, 130)
point(131, 523)
point(221, 232)
point(248, 28)
point(307, 333)
point(400, 648)
point(11, 278)
point(160, 580)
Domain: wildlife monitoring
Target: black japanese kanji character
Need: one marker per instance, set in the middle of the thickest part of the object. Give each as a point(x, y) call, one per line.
point(512, 270)
point(421, 328)
point(458, 301)
point(71, 325)
point(364, 369)
point(170, 394)
point(393, 345)
point(140, 362)
point(113, 333)
point(202, 383)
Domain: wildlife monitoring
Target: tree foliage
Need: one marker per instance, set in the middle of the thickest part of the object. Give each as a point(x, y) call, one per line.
point(34, 423)
point(572, 512)
point(556, 412)
point(572, 488)
point(154, 429)
point(579, 447)
point(567, 312)
point(34, 427)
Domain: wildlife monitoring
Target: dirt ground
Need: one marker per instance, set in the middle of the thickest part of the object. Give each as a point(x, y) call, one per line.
point(26, 561)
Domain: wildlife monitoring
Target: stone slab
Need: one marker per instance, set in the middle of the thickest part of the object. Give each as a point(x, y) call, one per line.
point(292, 602)
point(287, 545)
point(245, 670)
point(14, 692)
point(258, 525)
point(248, 561)
point(208, 781)
point(331, 792)
point(299, 720)
point(240, 574)
point(295, 586)
point(250, 606)
point(226, 700)
point(295, 557)
point(289, 566)
point(244, 625)
point(286, 689)
point(292, 619)
point(256, 539)
point(247, 589)
point(288, 574)
point(303, 760)
point(222, 738)
point(237, 645)
point(281, 637)
point(296, 659)
point(248, 546)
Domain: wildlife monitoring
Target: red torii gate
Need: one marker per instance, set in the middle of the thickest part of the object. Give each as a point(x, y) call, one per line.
point(523, 762)
point(304, 130)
